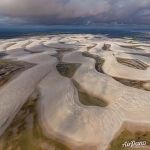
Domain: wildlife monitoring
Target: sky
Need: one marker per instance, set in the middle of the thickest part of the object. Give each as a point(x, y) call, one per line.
point(52, 12)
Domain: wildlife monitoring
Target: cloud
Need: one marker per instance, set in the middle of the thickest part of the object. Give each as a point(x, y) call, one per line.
point(69, 11)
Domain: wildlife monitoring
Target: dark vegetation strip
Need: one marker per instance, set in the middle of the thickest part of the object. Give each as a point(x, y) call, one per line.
point(131, 47)
point(131, 83)
point(133, 63)
point(9, 69)
point(99, 61)
point(67, 69)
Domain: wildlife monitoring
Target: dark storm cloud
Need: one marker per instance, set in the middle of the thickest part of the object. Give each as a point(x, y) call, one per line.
point(70, 11)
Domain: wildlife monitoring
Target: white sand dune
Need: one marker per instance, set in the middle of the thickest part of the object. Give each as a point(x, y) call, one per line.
point(115, 69)
point(18, 45)
point(62, 115)
point(16, 92)
point(76, 124)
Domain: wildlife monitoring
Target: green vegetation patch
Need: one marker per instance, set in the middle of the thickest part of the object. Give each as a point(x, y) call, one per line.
point(131, 47)
point(67, 69)
point(131, 83)
point(133, 63)
point(127, 136)
point(25, 133)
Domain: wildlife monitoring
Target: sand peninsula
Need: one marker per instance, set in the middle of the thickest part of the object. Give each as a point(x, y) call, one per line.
point(74, 92)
